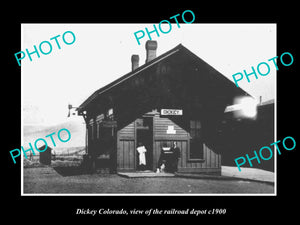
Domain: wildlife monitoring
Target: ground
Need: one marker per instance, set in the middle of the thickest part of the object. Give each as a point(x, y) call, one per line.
point(50, 180)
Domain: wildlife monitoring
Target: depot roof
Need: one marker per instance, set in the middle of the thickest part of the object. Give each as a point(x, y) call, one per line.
point(179, 49)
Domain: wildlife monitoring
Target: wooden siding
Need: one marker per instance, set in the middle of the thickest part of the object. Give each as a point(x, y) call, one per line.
point(211, 161)
point(160, 129)
point(126, 155)
point(126, 148)
point(127, 131)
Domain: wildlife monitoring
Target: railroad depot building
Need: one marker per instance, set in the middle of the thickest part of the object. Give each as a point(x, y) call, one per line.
point(173, 97)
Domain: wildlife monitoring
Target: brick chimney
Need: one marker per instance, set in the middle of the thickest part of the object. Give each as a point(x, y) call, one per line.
point(135, 62)
point(151, 47)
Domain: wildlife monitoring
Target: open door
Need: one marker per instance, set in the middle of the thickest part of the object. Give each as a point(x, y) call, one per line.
point(144, 135)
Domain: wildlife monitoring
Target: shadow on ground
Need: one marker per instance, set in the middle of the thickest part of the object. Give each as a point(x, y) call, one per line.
point(70, 171)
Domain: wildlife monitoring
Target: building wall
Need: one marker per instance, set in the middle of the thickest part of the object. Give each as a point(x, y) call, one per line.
point(211, 161)
point(126, 147)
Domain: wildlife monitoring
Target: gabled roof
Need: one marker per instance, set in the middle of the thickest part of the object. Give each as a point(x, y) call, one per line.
point(178, 48)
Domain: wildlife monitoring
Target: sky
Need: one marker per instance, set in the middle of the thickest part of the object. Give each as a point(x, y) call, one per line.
point(102, 53)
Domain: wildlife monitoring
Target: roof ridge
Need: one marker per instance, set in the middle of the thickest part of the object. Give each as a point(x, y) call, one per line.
point(131, 73)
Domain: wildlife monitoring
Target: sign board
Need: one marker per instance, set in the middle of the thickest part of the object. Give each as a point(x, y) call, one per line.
point(106, 123)
point(171, 112)
point(171, 130)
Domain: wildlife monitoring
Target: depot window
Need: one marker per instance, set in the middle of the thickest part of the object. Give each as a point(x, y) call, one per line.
point(196, 141)
point(91, 129)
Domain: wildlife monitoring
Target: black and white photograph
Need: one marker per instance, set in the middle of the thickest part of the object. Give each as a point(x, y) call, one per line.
point(109, 111)
point(150, 112)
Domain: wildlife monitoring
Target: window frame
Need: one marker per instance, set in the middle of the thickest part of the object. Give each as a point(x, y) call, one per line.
point(189, 159)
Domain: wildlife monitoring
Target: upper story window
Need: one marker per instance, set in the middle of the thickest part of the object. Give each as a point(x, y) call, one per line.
point(110, 114)
point(196, 141)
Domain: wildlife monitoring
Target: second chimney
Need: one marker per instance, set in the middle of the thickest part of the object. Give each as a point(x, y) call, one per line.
point(135, 62)
point(151, 47)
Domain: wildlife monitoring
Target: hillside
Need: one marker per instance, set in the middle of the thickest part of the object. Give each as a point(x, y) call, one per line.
point(76, 127)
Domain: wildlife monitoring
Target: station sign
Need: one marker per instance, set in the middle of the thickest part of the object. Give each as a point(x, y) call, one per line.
point(171, 112)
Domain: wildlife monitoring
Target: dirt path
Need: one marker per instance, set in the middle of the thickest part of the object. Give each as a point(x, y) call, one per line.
point(48, 180)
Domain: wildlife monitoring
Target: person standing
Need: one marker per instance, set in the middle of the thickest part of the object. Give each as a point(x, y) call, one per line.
point(176, 155)
point(142, 156)
point(164, 159)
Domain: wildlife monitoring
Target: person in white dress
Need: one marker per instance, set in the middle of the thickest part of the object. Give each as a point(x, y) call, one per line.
point(142, 155)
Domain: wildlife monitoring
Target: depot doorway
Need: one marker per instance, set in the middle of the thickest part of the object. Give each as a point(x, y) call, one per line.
point(144, 135)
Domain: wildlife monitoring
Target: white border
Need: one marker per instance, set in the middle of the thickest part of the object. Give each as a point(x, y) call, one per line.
point(156, 194)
